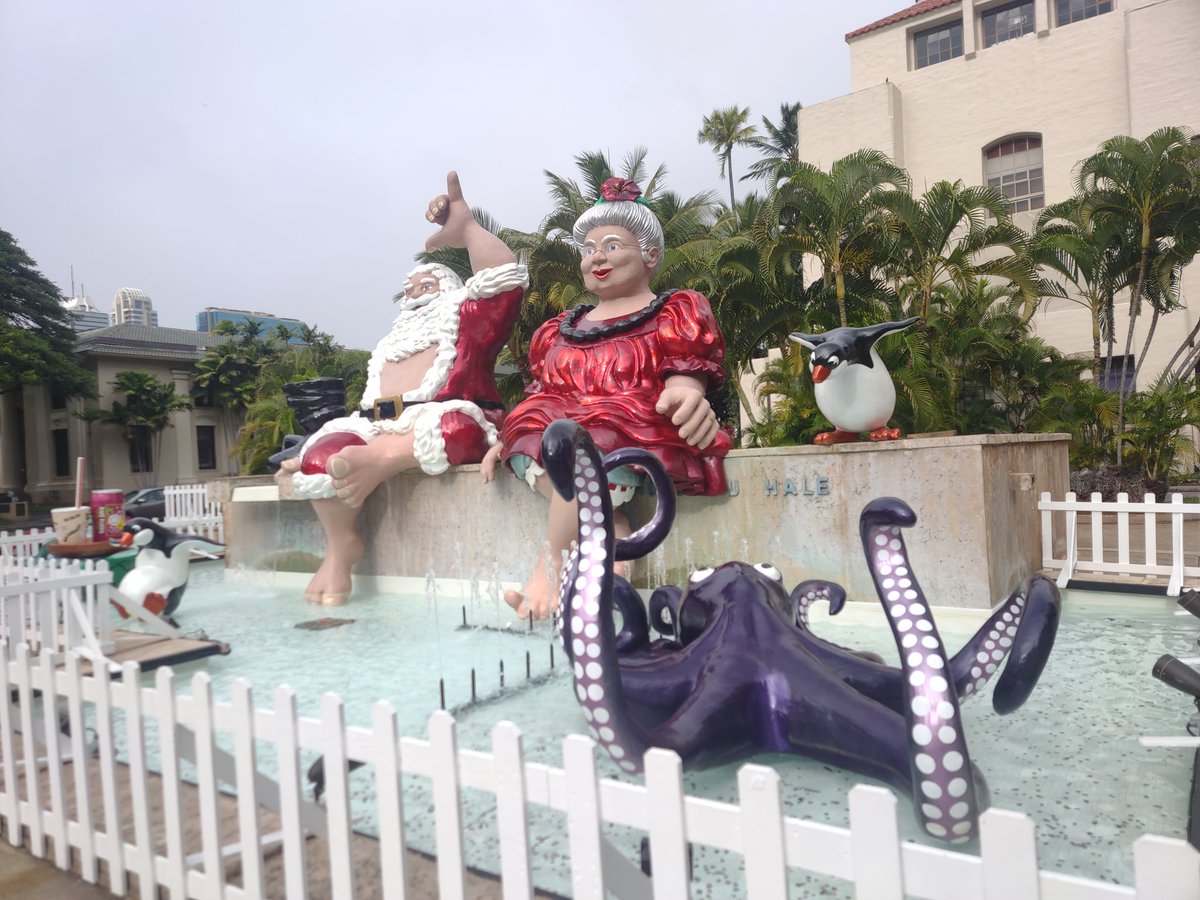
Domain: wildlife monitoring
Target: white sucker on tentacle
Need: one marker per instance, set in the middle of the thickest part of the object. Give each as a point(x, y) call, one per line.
point(944, 787)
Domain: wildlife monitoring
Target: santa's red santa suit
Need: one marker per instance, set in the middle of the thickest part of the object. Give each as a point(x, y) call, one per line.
point(454, 413)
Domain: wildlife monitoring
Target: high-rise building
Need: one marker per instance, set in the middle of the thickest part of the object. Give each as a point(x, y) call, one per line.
point(207, 319)
point(133, 307)
point(84, 316)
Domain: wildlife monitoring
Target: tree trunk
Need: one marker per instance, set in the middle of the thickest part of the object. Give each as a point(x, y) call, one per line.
point(839, 281)
point(729, 172)
point(1135, 304)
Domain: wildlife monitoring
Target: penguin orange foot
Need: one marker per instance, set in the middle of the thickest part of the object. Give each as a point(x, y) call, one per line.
point(883, 433)
point(837, 436)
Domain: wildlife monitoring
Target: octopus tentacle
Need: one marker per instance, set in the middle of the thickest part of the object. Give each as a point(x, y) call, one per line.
point(576, 470)
point(654, 532)
point(1021, 628)
point(806, 593)
point(944, 790)
point(664, 611)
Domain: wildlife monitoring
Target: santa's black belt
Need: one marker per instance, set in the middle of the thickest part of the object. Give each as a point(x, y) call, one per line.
point(392, 407)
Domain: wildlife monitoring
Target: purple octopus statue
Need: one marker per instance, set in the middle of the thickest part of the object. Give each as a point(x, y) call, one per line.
point(737, 671)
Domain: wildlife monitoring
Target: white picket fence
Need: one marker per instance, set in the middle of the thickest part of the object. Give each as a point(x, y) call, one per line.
point(1128, 560)
point(20, 544)
point(189, 511)
point(57, 606)
point(869, 854)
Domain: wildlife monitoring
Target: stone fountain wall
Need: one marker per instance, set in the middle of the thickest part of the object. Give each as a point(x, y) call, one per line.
point(978, 531)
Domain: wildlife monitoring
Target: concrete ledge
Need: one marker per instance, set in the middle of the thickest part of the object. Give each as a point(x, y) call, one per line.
point(977, 535)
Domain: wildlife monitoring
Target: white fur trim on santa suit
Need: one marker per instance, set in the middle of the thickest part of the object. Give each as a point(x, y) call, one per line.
point(433, 321)
point(423, 420)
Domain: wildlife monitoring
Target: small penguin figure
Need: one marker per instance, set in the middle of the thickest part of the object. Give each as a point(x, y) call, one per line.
point(160, 571)
point(852, 386)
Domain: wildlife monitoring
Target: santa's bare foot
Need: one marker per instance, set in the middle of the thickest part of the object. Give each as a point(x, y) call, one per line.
point(357, 470)
point(332, 583)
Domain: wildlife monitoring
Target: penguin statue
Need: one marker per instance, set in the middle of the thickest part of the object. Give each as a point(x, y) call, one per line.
point(852, 386)
point(160, 570)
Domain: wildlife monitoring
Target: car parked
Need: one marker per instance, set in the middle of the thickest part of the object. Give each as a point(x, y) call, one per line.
point(148, 503)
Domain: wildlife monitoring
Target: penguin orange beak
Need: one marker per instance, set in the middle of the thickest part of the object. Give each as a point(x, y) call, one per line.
point(820, 373)
point(126, 539)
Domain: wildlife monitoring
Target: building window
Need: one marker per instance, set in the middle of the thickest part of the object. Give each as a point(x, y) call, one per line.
point(206, 446)
point(1007, 22)
point(938, 44)
point(1068, 11)
point(141, 458)
point(1014, 167)
point(1121, 373)
point(58, 398)
point(62, 456)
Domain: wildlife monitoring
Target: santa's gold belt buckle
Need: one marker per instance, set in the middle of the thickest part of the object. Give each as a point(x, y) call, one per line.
point(387, 408)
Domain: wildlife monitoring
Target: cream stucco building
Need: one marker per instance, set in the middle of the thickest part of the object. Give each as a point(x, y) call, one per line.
point(41, 437)
point(1016, 94)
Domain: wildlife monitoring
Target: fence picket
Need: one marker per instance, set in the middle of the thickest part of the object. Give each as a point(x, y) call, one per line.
point(80, 767)
point(875, 844)
point(1047, 530)
point(12, 796)
point(389, 802)
point(175, 873)
point(1165, 869)
point(1097, 521)
point(57, 825)
point(443, 744)
point(249, 833)
point(583, 818)
point(762, 833)
point(112, 849)
point(1008, 845)
point(668, 825)
point(295, 875)
point(33, 783)
point(142, 859)
point(1122, 531)
point(337, 796)
point(1150, 530)
point(511, 819)
point(1175, 587)
point(207, 787)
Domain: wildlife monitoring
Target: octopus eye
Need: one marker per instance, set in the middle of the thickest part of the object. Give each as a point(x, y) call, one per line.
point(769, 570)
point(699, 575)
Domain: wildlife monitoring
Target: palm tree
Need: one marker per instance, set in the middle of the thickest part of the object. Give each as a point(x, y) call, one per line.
point(722, 129)
point(951, 234)
point(1152, 185)
point(836, 215)
point(781, 146)
point(1093, 258)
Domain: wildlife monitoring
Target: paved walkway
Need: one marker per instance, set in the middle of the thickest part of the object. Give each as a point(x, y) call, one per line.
point(22, 877)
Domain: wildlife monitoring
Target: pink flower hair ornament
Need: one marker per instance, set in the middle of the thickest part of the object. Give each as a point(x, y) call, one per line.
point(615, 189)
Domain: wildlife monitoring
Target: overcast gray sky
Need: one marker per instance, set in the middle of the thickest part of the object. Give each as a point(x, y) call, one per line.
point(278, 156)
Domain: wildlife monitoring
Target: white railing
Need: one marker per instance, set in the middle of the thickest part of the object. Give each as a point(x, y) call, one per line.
point(869, 854)
point(189, 511)
point(1124, 558)
point(57, 605)
point(16, 545)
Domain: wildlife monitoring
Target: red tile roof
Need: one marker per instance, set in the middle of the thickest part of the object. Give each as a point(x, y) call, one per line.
point(908, 12)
